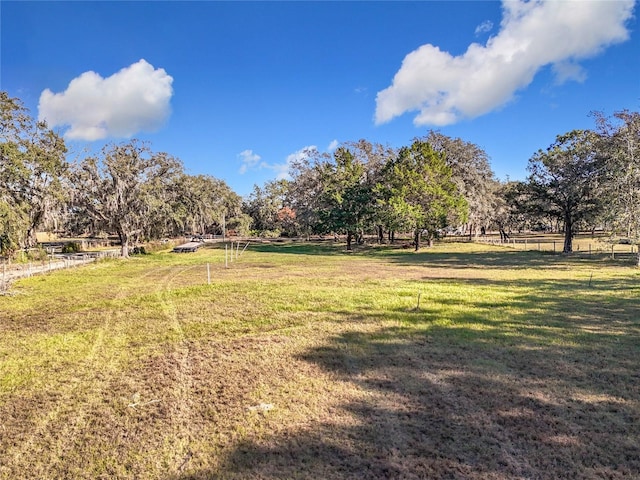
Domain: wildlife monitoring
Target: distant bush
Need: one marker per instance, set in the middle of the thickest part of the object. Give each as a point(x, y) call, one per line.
point(139, 251)
point(270, 233)
point(37, 254)
point(71, 247)
point(164, 244)
point(7, 245)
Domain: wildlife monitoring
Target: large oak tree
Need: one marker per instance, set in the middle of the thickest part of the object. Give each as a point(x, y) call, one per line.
point(566, 181)
point(119, 190)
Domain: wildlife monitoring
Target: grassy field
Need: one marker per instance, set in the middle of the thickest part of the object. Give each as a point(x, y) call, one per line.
point(301, 361)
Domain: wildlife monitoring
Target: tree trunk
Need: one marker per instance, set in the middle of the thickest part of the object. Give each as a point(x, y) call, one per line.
point(34, 221)
point(431, 237)
point(124, 244)
point(380, 234)
point(349, 239)
point(568, 236)
point(32, 239)
point(416, 239)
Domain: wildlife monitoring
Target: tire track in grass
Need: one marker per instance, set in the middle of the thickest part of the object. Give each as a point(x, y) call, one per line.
point(65, 394)
point(59, 413)
point(180, 411)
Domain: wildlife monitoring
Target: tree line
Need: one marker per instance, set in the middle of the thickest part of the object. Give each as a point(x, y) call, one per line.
point(586, 179)
point(127, 189)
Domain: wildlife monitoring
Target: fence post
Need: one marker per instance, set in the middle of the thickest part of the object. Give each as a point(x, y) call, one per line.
point(226, 263)
point(208, 274)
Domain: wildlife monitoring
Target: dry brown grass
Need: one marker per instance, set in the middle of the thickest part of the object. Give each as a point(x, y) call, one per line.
point(304, 362)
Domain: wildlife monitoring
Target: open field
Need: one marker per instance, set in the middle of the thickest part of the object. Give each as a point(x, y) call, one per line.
point(301, 361)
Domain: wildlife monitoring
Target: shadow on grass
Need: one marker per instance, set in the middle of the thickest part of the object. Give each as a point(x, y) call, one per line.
point(290, 247)
point(551, 392)
point(501, 259)
point(486, 257)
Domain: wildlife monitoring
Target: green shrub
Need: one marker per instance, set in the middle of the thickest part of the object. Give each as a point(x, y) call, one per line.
point(155, 246)
point(37, 254)
point(71, 247)
point(138, 251)
point(270, 233)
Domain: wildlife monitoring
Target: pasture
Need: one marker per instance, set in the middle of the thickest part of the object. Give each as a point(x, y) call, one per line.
point(301, 361)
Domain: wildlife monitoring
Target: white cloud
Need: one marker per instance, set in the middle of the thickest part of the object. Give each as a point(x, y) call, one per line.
point(565, 71)
point(252, 161)
point(133, 100)
point(282, 169)
point(333, 145)
point(249, 160)
point(484, 27)
point(444, 89)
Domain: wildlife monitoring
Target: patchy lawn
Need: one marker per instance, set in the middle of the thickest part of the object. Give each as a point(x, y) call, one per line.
point(302, 361)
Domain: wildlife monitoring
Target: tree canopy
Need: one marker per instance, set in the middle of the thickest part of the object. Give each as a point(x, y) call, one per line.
point(421, 191)
point(363, 187)
point(565, 181)
point(32, 163)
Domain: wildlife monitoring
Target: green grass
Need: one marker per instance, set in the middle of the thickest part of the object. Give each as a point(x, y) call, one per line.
point(515, 365)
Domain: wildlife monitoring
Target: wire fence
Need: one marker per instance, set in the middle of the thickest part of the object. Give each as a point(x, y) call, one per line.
point(10, 272)
point(581, 246)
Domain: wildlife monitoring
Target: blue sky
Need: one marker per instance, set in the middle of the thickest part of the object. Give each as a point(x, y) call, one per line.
point(236, 89)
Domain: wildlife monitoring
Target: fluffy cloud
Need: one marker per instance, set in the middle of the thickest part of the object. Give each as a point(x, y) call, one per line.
point(333, 145)
point(249, 160)
point(133, 100)
point(252, 161)
point(533, 34)
point(282, 169)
